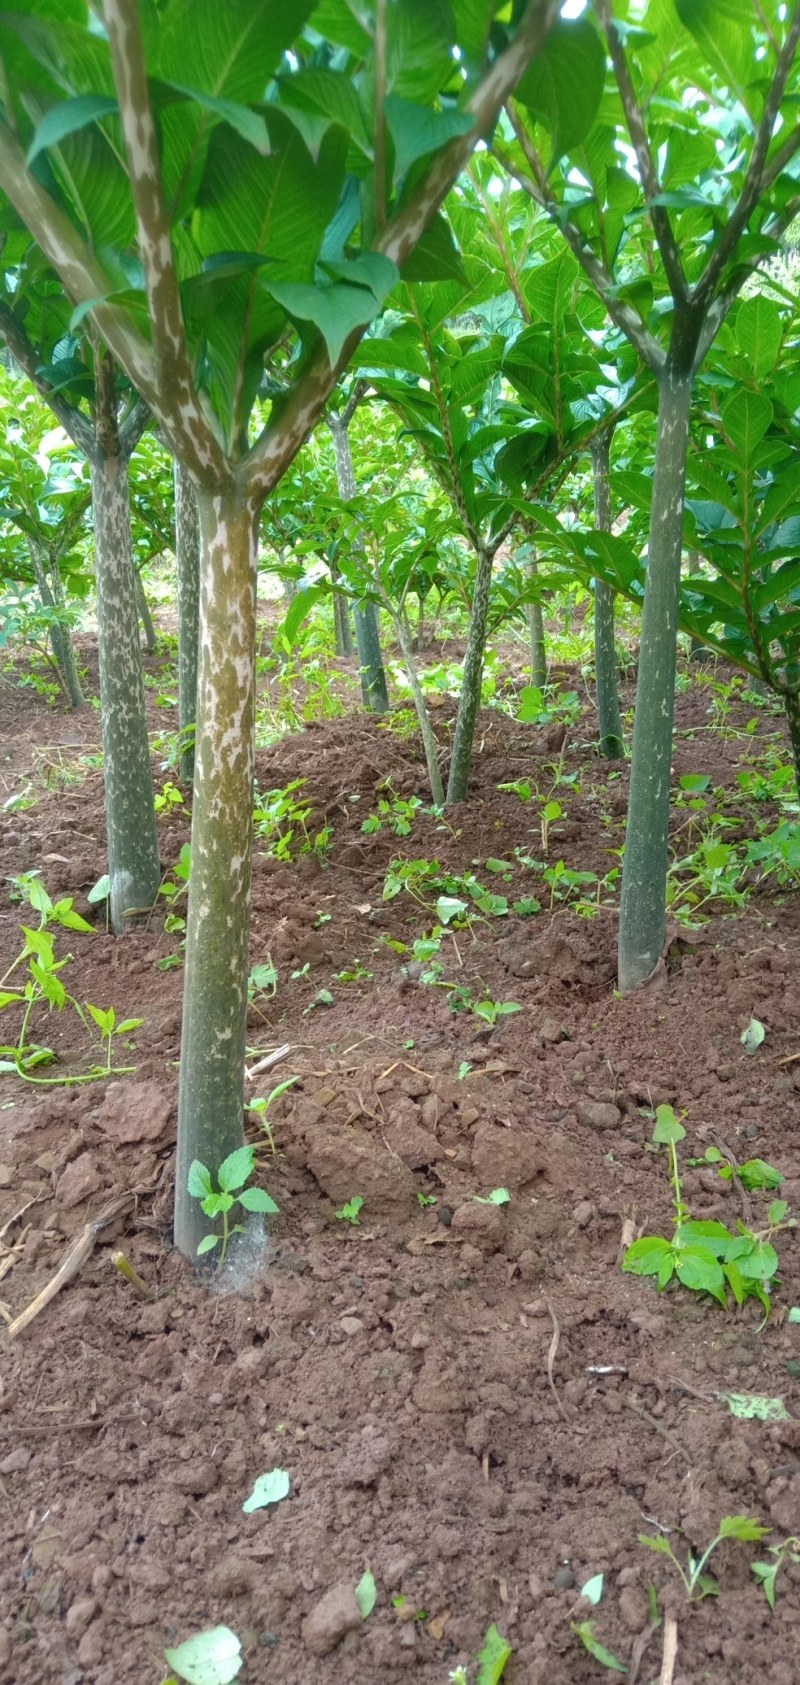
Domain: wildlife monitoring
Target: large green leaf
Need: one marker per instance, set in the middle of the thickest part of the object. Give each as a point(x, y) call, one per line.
point(548, 287)
point(416, 130)
point(723, 30)
point(563, 86)
point(336, 309)
point(435, 256)
point(279, 206)
point(420, 40)
point(746, 417)
point(229, 49)
point(71, 115)
point(759, 332)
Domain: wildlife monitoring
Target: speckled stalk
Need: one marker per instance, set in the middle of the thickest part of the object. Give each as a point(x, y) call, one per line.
point(469, 701)
point(211, 1098)
point(133, 864)
point(612, 745)
point(187, 558)
point(374, 691)
point(644, 877)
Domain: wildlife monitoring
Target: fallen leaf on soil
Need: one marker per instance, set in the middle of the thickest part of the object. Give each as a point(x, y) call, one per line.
point(437, 1625)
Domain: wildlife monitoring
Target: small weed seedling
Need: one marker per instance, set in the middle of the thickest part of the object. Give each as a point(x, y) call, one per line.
point(491, 1010)
point(233, 1175)
point(260, 1108)
point(705, 1256)
point(767, 1572)
point(398, 812)
point(109, 1028)
point(696, 1582)
point(167, 799)
point(349, 1213)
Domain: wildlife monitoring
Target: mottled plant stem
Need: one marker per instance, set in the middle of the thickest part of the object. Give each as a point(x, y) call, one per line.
point(211, 1097)
point(469, 701)
point(374, 691)
point(612, 746)
point(536, 629)
point(51, 592)
point(133, 863)
point(143, 611)
point(642, 917)
point(187, 559)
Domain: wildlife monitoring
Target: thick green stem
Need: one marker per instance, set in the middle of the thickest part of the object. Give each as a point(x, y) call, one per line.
point(211, 1098)
point(536, 629)
point(469, 701)
point(133, 863)
point(374, 690)
point(143, 611)
point(642, 911)
point(187, 559)
point(612, 745)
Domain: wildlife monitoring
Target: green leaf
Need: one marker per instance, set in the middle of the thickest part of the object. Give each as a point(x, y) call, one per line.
point(199, 1183)
point(759, 331)
point(337, 310)
point(99, 891)
point(722, 31)
point(435, 256)
point(269, 1488)
point(212, 1658)
point(208, 1243)
point(65, 915)
point(256, 1199)
point(247, 123)
point(759, 1263)
point(756, 1173)
point(129, 1024)
point(67, 117)
point(667, 1128)
point(236, 1168)
point(746, 417)
point(584, 1631)
point(492, 1659)
point(105, 1021)
point(766, 1573)
point(563, 86)
point(449, 907)
point(366, 1594)
point(743, 1527)
point(752, 1037)
point(416, 130)
point(698, 1269)
point(646, 1256)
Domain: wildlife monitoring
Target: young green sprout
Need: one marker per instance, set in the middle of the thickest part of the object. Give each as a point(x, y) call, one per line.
point(260, 1108)
point(233, 1175)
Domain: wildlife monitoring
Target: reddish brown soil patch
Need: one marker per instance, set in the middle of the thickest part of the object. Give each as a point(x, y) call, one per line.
point(399, 1370)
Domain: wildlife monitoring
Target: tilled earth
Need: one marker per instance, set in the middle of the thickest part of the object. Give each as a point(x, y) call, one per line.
point(471, 1400)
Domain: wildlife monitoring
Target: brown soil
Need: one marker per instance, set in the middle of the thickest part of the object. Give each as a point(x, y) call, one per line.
point(473, 1402)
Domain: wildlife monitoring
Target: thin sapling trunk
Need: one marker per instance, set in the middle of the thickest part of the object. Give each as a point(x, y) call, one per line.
point(469, 701)
point(612, 745)
point(143, 611)
point(133, 863)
